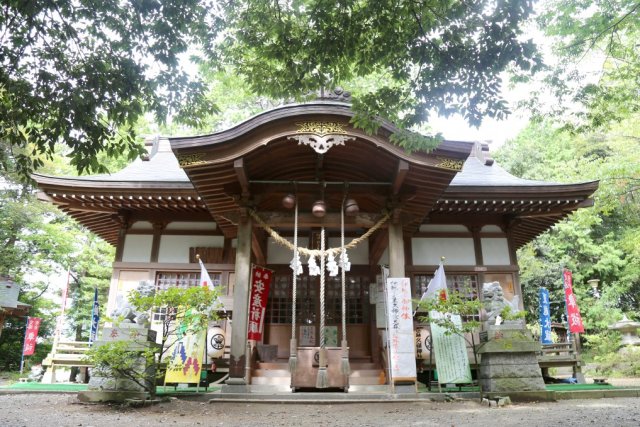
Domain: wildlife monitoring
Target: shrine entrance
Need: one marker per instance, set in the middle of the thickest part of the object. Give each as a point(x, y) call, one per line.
point(278, 318)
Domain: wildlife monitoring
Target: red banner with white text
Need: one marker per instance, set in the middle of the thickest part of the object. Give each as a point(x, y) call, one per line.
point(33, 325)
point(573, 312)
point(260, 283)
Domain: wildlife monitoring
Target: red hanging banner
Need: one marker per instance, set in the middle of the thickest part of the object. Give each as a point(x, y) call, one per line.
point(33, 325)
point(573, 312)
point(260, 283)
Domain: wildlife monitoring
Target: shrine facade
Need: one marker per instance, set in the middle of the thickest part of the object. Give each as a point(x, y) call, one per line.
point(230, 198)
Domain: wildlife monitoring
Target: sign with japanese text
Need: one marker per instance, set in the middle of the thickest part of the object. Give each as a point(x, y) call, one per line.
point(400, 326)
point(260, 283)
point(33, 325)
point(186, 357)
point(423, 343)
point(307, 335)
point(573, 312)
point(545, 317)
point(452, 359)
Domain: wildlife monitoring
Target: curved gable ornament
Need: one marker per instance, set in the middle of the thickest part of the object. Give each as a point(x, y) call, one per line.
point(321, 136)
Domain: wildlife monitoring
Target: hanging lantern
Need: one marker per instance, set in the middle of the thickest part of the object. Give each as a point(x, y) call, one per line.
point(289, 201)
point(351, 207)
point(215, 342)
point(319, 208)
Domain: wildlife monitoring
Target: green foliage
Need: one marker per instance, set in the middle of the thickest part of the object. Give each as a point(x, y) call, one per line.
point(188, 311)
point(456, 303)
point(445, 57)
point(117, 360)
point(588, 33)
point(39, 242)
point(625, 363)
point(193, 307)
point(596, 243)
point(80, 73)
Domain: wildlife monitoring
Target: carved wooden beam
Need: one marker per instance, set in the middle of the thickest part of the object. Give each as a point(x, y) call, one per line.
point(379, 242)
point(238, 166)
point(258, 248)
point(401, 174)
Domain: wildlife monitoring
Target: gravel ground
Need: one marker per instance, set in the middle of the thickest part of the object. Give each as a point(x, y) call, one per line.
point(53, 410)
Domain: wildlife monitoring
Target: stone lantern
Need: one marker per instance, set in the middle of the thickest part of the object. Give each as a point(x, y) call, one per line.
point(628, 329)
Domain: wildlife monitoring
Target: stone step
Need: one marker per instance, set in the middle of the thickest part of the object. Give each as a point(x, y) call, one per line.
point(271, 380)
point(270, 373)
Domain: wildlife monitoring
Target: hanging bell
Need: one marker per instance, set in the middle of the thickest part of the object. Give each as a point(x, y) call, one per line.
point(319, 209)
point(351, 207)
point(289, 201)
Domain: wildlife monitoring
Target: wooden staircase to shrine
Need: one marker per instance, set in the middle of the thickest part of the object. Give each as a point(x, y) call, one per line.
point(275, 376)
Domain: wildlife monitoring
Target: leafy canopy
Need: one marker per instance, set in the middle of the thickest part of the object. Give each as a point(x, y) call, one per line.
point(82, 73)
point(445, 56)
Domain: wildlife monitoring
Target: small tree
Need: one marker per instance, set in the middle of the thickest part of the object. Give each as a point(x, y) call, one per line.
point(457, 303)
point(188, 311)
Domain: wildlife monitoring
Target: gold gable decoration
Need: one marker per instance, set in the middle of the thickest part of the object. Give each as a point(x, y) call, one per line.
point(186, 160)
point(321, 128)
point(448, 163)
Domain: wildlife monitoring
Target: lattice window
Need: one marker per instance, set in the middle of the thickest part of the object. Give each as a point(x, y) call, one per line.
point(465, 284)
point(182, 279)
point(354, 299)
point(307, 309)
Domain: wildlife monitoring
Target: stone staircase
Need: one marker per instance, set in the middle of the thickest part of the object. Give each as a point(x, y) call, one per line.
point(275, 377)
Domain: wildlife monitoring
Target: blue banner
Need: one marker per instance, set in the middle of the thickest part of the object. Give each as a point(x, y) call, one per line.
point(95, 317)
point(545, 317)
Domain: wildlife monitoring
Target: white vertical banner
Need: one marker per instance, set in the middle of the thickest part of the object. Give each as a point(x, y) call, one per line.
point(402, 363)
point(452, 359)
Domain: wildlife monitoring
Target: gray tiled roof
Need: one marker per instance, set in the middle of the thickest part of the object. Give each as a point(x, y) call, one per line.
point(476, 174)
point(161, 167)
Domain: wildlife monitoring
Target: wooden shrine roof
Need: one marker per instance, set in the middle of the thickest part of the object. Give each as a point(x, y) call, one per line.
point(258, 162)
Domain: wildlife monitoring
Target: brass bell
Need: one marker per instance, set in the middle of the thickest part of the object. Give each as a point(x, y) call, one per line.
point(351, 207)
point(289, 201)
point(319, 209)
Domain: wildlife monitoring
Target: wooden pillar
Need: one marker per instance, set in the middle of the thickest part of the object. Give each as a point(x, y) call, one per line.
point(237, 358)
point(396, 250)
point(158, 228)
point(123, 219)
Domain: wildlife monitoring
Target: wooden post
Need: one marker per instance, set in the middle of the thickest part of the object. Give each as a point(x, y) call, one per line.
point(240, 303)
point(396, 251)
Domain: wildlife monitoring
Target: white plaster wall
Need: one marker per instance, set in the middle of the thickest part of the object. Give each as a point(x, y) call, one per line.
point(176, 248)
point(495, 251)
point(142, 225)
point(278, 254)
point(187, 225)
point(491, 229)
point(444, 228)
point(137, 248)
point(457, 250)
point(358, 255)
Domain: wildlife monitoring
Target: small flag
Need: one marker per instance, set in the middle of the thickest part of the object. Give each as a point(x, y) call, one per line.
point(545, 317)
point(95, 317)
point(31, 335)
point(205, 282)
point(437, 287)
point(573, 312)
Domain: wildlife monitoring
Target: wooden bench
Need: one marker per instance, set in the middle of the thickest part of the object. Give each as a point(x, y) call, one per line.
point(561, 355)
point(66, 354)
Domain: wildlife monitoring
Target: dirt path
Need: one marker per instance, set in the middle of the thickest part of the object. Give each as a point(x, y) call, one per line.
point(52, 410)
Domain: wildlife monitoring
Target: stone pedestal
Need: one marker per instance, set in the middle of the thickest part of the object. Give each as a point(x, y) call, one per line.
point(104, 384)
point(509, 361)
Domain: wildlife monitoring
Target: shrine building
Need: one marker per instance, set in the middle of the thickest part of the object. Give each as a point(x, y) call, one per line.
point(231, 197)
